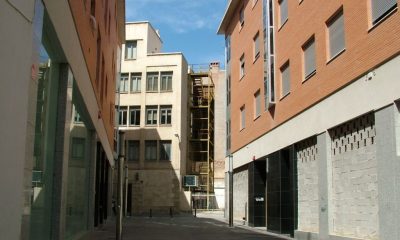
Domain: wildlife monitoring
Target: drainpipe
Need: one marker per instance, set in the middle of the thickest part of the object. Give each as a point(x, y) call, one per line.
point(121, 160)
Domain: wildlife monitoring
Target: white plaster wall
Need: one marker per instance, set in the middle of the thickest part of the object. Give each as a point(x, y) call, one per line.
point(15, 85)
point(240, 194)
point(354, 100)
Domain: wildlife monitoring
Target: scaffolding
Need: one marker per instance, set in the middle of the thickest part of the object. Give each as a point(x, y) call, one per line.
point(201, 137)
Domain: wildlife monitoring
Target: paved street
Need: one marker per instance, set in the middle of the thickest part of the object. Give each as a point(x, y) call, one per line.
point(183, 227)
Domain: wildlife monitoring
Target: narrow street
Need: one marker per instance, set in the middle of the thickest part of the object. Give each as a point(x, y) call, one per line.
point(182, 227)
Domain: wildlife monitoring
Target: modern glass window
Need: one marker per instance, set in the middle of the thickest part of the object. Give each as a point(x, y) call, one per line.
point(134, 115)
point(133, 150)
point(130, 49)
point(165, 150)
point(136, 79)
point(152, 82)
point(380, 8)
point(123, 116)
point(77, 117)
point(283, 11)
point(257, 104)
point(228, 90)
point(166, 81)
point(123, 82)
point(309, 58)
point(151, 115)
point(242, 70)
point(242, 117)
point(150, 150)
point(285, 79)
point(165, 115)
point(241, 16)
point(336, 34)
point(256, 45)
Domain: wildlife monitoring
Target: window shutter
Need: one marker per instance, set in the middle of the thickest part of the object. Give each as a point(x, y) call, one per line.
point(336, 35)
point(285, 80)
point(380, 7)
point(283, 11)
point(309, 58)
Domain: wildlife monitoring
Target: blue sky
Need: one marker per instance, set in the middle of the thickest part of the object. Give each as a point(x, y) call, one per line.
point(187, 26)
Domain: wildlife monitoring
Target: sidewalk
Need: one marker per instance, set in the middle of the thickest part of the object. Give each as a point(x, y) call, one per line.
point(207, 225)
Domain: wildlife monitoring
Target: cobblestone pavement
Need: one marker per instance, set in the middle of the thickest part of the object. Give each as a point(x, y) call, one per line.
point(182, 227)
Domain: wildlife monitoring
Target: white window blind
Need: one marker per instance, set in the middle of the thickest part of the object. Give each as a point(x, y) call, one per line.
point(257, 103)
point(380, 8)
point(152, 82)
point(242, 117)
point(336, 35)
point(130, 50)
point(136, 79)
point(309, 58)
point(285, 74)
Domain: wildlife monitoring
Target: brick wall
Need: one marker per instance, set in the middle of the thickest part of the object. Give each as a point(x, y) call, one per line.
point(354, 179)
point(307, 184)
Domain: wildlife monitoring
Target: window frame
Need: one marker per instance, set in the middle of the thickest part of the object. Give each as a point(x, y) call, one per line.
point(242, 66)
point(281, 20)
point(135, 143)
point(241, 17)
point(257, 104)
point(256, 41)
point(305, 49)
point(283, 68)
point(154, 112)
point(124, 77)
point(123, 111)
point(137, 78)
point(339, 14)
point(242, 117)
point(383, 15)
point(165, 110)
point(150, 145)
point(135, 109)
point(164, 152)
point(168, 76)
point(131, 44)
point(155, 77)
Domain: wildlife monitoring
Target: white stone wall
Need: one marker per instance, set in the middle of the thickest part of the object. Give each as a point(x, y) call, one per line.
point(354, 179)
point(240, 194)
point(307, 184)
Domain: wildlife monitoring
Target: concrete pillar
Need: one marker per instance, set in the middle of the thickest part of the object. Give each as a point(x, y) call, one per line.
point(324, 184)
point(61, 156)
point(387, 138)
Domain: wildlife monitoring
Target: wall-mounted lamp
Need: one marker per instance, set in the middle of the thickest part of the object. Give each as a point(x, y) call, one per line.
point(177, 135)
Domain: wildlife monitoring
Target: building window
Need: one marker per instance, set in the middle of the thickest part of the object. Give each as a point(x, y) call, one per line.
point(309, 58)
point(283, 12)
point(78, 148)
point(285, 79)
point(152, 82)
point(165, 150)
point(134, 112)
point(256, 46)
point(150, 150)
point(151, 115)
point(136, 79)
point(165, 115)
point(228, 90)
point(242, 117)
point(133, 150)
point(228, 136)
point(241, 16)
point(123, 116)
point(242, 72)
point(257, 104)
point(381, 8)
point(166, 81)
point(228, 48)
point(130, 49)
point(336, 34)
point(123, 82)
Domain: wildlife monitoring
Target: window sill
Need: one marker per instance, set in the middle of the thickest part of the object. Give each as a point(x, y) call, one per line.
point(124, 92)
point(309, 76)
point(151, 125)
point(165, 125)
point(240, 79)
point(242, 129)
point(257, 117)
point(241, 26)
point(130, 59)
point(336, 56)
point(254, 4)
point(284, 96)
point(165, 91)
point(383, 18)
point(151, 91)
point(134, 92)
point(134, 126)
point(283, 24)
point(300, 2)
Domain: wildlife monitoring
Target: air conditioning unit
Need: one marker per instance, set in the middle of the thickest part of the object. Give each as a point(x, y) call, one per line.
point(190, 181)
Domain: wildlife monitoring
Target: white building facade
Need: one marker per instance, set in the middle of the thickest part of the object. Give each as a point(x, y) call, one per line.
point(153, 113)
